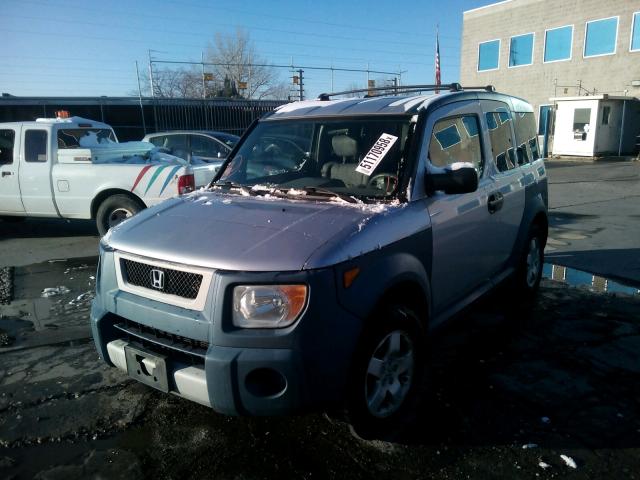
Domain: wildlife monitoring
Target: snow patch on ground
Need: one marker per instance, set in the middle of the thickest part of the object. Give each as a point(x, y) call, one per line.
point(54, 291)
point(569, 462)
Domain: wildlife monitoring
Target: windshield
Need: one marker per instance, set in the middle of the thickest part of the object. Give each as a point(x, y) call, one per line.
point(362, 158)
point(84, 137)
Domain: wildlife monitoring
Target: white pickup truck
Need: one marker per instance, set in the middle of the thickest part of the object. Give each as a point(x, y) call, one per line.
point(74, 168)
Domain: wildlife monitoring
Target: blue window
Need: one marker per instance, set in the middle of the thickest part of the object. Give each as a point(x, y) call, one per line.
point(542, 117)
point(488, 55)
point(557, 44)
point(470, 125)
point(491, 120)
point(635, 32)
point(448, 137)
point(503, 115)
point(521, 50)
point(601, 36)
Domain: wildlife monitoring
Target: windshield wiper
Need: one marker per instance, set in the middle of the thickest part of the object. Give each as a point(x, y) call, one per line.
point(229, 185)
point(328, 193)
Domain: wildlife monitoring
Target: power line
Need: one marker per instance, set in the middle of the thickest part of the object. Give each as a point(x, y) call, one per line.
point(84, 7)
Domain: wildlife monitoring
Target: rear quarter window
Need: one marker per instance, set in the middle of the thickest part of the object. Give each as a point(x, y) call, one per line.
point(35, 146)
point(7, 141)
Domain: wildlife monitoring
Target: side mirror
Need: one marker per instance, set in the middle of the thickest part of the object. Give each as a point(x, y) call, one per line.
point(460, 177)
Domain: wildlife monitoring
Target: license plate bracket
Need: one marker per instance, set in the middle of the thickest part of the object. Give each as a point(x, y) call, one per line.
point(147, 367)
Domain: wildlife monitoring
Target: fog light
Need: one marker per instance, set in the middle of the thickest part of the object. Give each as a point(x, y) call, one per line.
point(265, 382)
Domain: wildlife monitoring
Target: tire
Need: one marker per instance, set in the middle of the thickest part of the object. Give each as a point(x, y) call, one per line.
point(529, 271)
point(115, 209)
point(386, 374)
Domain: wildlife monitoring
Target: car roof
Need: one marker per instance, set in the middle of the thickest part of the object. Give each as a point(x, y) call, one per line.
point(388, 105)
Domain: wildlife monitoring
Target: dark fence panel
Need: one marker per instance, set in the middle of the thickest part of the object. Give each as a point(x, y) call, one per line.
point(124, 114)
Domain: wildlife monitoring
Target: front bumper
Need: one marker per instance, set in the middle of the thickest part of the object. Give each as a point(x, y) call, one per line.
point(235, 371)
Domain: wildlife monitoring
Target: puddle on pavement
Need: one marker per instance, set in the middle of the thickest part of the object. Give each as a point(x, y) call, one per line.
point(579, 278)
point(51, 302)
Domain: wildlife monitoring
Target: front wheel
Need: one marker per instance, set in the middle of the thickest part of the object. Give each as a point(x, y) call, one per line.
point(114, 210)
point(387, 370)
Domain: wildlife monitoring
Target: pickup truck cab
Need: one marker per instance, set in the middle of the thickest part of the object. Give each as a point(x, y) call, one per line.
point(336, 236)
point(71, 167)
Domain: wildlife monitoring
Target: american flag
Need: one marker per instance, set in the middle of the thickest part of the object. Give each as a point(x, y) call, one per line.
point(437, 61)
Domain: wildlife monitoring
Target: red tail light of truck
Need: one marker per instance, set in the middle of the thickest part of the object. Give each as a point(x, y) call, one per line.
point(186, 183)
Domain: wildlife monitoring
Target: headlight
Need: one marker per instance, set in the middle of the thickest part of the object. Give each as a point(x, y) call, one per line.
point(268, 306)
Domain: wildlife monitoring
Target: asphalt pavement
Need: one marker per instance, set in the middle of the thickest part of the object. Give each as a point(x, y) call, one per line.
point(594, 213)
point(543, 392)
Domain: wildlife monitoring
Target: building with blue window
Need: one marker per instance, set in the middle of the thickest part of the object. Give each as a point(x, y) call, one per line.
point(550, 49)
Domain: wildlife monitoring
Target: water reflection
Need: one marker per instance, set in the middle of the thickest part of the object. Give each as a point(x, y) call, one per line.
point(595, 283)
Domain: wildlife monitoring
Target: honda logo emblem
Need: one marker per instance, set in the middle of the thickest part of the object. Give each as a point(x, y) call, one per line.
point(157, 279)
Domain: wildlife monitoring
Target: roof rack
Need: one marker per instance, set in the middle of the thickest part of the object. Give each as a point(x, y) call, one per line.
point(452, 87)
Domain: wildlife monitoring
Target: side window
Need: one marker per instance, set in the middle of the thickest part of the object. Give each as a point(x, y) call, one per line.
point(7, 139)
point(527, 140)
point(158, 141)
point(35, 146)
point(456, 139)
point(177, 144)
point(205, 147)
point(502, 145)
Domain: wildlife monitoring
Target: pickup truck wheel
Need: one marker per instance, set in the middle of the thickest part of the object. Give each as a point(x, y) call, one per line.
point(113, 210)
point(386, 373)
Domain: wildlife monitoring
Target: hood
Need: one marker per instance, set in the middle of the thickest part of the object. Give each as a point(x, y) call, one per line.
point(234, 232)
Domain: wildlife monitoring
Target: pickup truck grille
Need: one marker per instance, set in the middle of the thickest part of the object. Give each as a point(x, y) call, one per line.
point(162, 279)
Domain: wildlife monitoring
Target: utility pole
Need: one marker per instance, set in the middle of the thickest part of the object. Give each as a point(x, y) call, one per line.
point(204, 83)
point(151, 75)
point(301, 85)
point(144, 124)
point(332, 77)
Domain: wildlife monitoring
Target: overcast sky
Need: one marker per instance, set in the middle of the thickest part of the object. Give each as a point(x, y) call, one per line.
point(76, 47)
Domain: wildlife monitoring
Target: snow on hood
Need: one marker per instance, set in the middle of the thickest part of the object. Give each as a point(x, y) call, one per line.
point(261, 233)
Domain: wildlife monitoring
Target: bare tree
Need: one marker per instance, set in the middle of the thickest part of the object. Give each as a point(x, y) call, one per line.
point(172, 83)
point(238, 72)
point(236, 59)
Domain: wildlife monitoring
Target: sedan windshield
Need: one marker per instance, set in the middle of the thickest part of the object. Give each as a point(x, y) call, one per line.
point(363, 158)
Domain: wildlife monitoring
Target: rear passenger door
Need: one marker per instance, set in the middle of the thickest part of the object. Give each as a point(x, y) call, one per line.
point(35, 173)
point(10, 201)
point(460, 223)
point(506, 196)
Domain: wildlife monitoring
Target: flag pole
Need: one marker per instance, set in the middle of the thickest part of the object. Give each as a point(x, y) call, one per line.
point(437, 58)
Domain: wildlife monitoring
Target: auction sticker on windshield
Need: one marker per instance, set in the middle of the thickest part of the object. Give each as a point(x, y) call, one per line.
point(372, 159)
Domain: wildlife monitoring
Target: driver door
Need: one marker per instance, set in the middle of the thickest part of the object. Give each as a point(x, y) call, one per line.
point(461, 226)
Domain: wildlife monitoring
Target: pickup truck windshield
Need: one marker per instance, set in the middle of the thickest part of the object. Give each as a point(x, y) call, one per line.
point(362, 158)
point(84, 137)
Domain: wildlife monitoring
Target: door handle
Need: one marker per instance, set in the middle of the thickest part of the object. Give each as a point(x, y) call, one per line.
point(495, 202)
point(6, 174)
